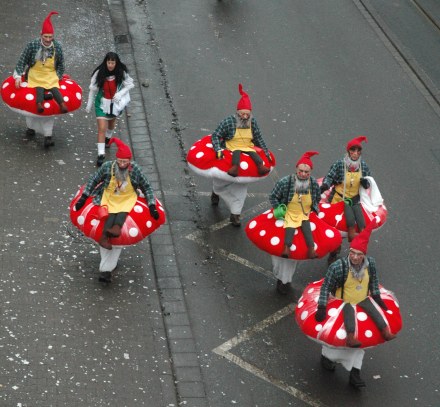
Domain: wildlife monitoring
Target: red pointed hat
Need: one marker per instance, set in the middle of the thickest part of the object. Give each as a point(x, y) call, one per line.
point(305, 158)
point(244, 102)
point(47, 27)
point(124, 151)
point(360, 241)
point(356, 142)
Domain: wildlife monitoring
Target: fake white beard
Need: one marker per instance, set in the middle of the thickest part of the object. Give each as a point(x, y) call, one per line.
point(244, 123)
point(121, 174)
point(301, 185)
point(358, 271)
point(351, 164)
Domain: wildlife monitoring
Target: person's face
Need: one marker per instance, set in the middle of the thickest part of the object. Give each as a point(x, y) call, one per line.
point(111, 65)
point(355, 153)
point(303, 172)
point(122, 163)
point(244, 114)
point(47, 39)
point(356, 257)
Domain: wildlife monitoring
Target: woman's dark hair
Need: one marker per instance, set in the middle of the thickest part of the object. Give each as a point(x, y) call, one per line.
point(103, 72)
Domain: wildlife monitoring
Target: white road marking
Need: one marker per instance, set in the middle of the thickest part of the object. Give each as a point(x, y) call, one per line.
point(224, 351)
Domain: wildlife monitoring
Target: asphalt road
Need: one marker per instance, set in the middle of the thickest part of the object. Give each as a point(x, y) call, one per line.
point(318, 73)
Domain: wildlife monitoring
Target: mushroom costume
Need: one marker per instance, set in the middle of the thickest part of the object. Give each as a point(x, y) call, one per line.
point(23, 100)
point(331, 331)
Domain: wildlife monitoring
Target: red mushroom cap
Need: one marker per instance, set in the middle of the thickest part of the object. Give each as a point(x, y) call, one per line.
point(137, 226)
point(331, 331)
point(23, 100)
point(333, 214)
point(202, 160)
point(267, 233)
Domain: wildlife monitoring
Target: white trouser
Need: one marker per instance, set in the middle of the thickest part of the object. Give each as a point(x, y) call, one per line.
point(43, 125)
point(234, 194)
point(109, 258)
point(283, 269)
point(349, 358)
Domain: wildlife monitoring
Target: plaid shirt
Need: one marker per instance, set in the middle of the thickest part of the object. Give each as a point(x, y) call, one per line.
point(226, 130)
point(27, 57)
point(337, 274)
point(101, 179)
point(336, 175)
point(282, 195)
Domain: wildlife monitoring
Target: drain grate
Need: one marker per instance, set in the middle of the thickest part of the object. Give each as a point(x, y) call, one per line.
point(121, 39)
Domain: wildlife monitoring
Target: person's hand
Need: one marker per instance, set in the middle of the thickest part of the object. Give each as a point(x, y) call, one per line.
point(80, 203)
point(379, 301)
point(116, 98)
point(219, 154)
point(17, 83)
point(323, 188)
point(365, 183)
point(321, 314)
point(153, 211)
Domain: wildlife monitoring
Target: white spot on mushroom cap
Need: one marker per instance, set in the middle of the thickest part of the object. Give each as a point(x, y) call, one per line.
point(292, 248)
point(46, 105)
point(80, 220)
point(318, 327)
point(275, 241)
point(341, 334)
point(94, 222)
point(200, 154)
point(252, 224)
point(12, 96)
point(63, 87)
point(133, 232)
point(262, 233)
point(368, 333)
point(138, 209)
point(300, 304)
point(361, 316)
point(312, 226)
point(29, 96)
point(78, 95)
point(326, 205)
point(310, 290)
point(304, 315)
point(270, 216)
point(329, 233)
point(338, 218)
point(279, 223)
point(5, 85)
point(66, 98)
point(321, 215)
point(332, 312)
point(192, 147)
point(149, 224)
point(209, 145)
point(244, 165)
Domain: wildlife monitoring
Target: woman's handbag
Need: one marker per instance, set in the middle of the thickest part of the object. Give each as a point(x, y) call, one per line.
point(102, 212)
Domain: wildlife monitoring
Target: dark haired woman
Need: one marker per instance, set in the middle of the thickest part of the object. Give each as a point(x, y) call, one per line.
point(109, 91)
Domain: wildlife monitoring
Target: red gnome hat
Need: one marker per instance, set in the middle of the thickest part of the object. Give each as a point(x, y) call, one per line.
point(356, 142)
point(360, 241)
point(124, 151)
point(47, 27)
point(305, 158)
point(244, 103)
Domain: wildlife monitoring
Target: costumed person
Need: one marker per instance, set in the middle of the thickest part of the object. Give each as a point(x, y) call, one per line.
point(353, 279)
point(292, 229)
point(299, 195)
point(238, 133)
point(42, 65)
point(109, 93)
point(114, 185)
point(346, 176)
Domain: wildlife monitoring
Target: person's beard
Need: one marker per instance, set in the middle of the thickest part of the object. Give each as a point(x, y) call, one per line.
point(244, 123)
point(301, 185)
point(121, 174)
point(358, 270)
point(352, 164)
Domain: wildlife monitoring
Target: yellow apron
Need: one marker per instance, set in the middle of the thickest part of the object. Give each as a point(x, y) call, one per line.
point(352, 184)
point(354, 290)
point(242, 140)
point(43, 75)
point(119, 197)
point(298, 209)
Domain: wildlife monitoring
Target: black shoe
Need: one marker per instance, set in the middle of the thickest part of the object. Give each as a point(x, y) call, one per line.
point(282, 289)
point(107, 140)
point(235, 220)
point(355, 378)
point(327, 364)
point(30, 133)
point(48, 142)
point(105, 277)
point(215, 199)
point(100, 160)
